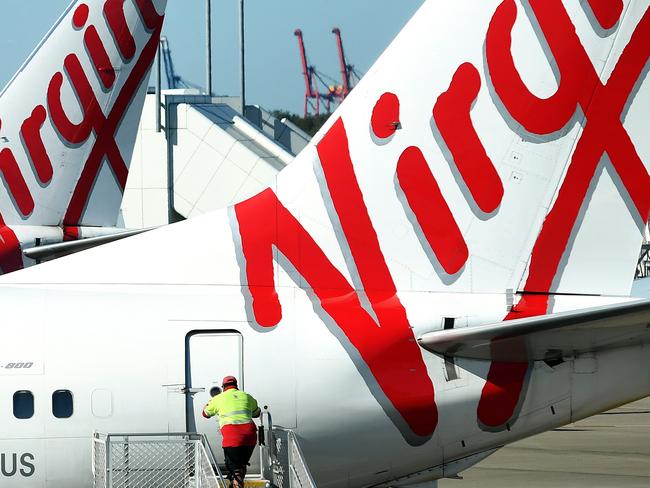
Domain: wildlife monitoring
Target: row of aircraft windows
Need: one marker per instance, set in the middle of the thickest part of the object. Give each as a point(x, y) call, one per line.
point(62, 407)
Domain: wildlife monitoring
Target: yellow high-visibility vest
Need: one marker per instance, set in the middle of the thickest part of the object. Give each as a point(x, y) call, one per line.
point(232, 407)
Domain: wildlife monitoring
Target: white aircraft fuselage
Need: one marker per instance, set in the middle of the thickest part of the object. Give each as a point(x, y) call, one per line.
point(126, 367)
point(489, 170)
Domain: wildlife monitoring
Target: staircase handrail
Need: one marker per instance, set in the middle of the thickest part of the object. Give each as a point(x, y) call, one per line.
point(301, 457)
point(212, 459)
point(104, 471)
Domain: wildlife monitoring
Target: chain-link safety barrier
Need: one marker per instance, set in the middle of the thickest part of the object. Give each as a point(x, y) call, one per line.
point(154, 461)
point(99, 462)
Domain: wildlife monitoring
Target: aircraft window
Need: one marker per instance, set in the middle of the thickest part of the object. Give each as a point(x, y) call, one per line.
point(23, 404)
point(62, 404)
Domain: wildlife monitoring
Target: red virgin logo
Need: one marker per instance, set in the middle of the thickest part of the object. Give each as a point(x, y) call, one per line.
point(94, 121)
point(104, 127)
point(383, 346)
point(390, 359)
point(604, 108)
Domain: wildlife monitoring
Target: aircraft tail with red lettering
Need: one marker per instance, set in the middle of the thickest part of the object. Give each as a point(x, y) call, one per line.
point(509, 155)
point(497, 149)
point(496, 145)
point(69, 116)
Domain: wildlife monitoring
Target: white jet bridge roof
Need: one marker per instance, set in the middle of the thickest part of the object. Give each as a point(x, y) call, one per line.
point(217, 158)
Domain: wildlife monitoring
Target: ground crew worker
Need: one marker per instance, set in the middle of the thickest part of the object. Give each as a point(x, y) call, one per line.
point(235, 410)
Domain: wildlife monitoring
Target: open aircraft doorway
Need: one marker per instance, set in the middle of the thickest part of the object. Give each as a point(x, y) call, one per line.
point(209, 356)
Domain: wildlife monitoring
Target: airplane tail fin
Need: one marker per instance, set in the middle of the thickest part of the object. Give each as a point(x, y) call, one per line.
point(495, 146)
point(68, 117)
point(511, 158)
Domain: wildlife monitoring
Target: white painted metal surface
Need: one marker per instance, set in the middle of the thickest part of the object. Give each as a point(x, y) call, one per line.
point(218, 159)
point(211, 357)
point(332, 273)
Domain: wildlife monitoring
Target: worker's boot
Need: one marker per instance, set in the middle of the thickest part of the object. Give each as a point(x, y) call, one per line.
point(238, 478)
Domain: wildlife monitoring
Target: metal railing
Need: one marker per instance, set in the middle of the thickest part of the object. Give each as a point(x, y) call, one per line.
point(281, 458)
point(643, 264)
point(300, 475)
point(165, 460)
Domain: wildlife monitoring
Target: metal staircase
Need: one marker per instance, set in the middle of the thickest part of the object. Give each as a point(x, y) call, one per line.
point(178, 460)
point(185, 460)
point(643, 264)
point(281, 458)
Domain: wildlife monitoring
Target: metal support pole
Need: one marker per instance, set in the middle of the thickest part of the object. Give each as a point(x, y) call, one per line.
point(170, 110)
point(197, 458)
point(242, 57)
point(158, 89)
point(109, 463)
point(208, 47)
point(127, 460)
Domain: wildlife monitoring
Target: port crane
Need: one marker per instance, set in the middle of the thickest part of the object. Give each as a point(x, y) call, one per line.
point(320, 88)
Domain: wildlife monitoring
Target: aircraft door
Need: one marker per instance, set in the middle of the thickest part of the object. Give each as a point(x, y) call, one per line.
point(209, 357)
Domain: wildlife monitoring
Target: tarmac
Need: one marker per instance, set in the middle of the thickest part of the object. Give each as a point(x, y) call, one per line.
point(604, 451)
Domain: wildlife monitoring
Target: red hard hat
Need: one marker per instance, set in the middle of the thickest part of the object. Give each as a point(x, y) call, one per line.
point(229, 380)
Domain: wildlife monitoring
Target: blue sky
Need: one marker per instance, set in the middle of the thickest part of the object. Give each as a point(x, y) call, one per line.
point(274, 73)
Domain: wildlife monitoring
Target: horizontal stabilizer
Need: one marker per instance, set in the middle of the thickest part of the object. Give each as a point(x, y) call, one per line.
point(549, 337)
point(60, 249)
